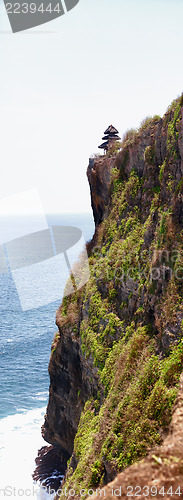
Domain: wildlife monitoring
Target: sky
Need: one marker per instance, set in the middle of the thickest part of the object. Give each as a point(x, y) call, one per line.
point(63, 83)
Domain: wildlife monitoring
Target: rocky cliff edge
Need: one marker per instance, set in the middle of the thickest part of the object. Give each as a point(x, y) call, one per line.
point(117, 357)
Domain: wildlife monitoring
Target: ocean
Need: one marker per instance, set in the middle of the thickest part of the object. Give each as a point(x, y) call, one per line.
point(25, 343)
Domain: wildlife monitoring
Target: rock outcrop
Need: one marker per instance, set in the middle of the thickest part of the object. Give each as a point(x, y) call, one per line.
point(73, 380)
point(117, 357)
point(99, 178)
point(50, 467)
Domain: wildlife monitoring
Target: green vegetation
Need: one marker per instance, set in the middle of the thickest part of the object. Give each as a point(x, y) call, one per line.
point(149, 154)
point(149, 121)
point(161, 171)
point(140, 392)
point(113, 150)
point(132, 309)
point(129, 136)
point(173, 134)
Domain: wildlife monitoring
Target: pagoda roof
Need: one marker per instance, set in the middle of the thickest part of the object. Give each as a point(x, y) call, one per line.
point(111, 137)
point(111, 130)
point(104, 145)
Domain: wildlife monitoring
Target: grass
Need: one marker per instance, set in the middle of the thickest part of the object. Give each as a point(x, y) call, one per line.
point(131, 324)
point(141, 390)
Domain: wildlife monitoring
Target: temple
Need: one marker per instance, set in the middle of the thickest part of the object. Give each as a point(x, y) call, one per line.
point(110, 136)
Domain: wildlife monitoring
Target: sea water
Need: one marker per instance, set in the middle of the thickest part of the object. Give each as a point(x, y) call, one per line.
point(25, 342)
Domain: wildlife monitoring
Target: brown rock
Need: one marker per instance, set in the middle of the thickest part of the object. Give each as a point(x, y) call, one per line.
point(99, 177)
point(72, 381)
point(50, 467)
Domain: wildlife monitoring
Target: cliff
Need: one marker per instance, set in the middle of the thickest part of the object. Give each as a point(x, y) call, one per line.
point(117, 357)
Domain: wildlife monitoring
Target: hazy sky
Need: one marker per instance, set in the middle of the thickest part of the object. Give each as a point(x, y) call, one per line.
point(106, 61)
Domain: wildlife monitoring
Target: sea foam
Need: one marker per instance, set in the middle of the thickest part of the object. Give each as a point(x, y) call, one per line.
point(20, 439)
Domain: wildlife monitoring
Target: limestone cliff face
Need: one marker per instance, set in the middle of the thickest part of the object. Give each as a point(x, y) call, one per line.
point(112, 359)
point(99, 178)
point(73, 380)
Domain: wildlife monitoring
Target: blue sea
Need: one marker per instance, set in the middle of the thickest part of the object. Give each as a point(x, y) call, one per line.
point(25, 343)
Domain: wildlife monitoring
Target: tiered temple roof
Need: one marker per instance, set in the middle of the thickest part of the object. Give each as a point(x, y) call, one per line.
point(111, 135)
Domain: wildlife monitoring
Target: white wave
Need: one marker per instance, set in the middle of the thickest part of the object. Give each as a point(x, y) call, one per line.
point(40, 396)
point(20, 437)
point(41, 393)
